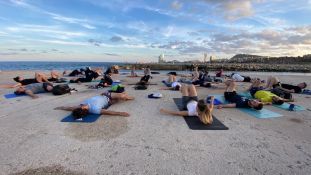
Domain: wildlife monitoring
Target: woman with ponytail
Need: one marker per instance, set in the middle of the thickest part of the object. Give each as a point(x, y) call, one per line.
point(192, 106)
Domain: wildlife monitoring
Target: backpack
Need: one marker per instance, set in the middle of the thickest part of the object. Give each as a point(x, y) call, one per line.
point(279, 92)
point(61, 89)
point(119, 88)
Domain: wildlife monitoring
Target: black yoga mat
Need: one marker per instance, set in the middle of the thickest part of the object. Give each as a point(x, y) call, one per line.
point(194, 123)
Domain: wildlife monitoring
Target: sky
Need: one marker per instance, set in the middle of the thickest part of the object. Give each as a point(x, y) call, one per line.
point(141, 30)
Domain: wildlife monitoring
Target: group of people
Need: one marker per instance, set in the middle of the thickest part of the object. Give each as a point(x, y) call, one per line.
point(271, 93)
point(274, 92)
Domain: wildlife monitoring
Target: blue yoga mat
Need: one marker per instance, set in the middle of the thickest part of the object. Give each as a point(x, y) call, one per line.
point(88, 119)
point(264, 113)
point(284, 106)
point(216, 101)
point(8, 96)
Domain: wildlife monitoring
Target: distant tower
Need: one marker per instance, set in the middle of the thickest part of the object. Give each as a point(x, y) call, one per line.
point(161, 58)
point(205, 57)
point(210, 59)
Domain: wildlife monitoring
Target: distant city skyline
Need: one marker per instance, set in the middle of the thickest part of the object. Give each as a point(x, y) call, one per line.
point(140, 31)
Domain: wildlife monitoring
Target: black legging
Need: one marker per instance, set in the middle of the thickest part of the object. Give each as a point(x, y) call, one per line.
point(145, 78)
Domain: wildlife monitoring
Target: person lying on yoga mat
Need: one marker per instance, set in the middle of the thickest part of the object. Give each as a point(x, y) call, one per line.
point(76, 72)
point(39, 78)
point(192, 106)
point(89, 76)
point(98, 105)
point(240, 78)
point(171, 83)
point(238, 101)
point(106, 80)
point(34, 88)
point(267, 97)
point(274, 82)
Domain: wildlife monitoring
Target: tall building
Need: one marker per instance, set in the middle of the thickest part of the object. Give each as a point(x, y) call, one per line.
point(205, 57)
point(161, 58)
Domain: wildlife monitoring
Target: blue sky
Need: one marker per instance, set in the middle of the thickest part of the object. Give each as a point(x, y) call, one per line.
point(122, 30)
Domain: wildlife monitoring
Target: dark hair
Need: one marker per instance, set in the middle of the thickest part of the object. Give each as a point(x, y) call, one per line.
point(19, 93)
point(278, 102)
point(201, 105)
point(177, 87)
point(108, 71)
point(259, 107)
point(16, 79)
point(79, 113)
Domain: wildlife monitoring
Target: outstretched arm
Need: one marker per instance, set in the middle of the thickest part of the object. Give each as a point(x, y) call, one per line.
point(178, 113)
point(166, 88)
point(211, 104)
point(31, 94)
point(233, 105)
point(66, 108)
point(287, 90)
point(10, 85)
point(108, 112)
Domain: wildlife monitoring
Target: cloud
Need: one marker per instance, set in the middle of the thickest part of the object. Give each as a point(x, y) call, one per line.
point(111, 54)
point(53, 30)
point(176, 5)
point(233, 10)
point(116, 39)
point(95, 42)
point(71, 43)
point(8, 53)
point(82, 22)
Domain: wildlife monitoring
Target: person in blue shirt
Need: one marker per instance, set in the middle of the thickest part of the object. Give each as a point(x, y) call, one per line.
point(98, 105)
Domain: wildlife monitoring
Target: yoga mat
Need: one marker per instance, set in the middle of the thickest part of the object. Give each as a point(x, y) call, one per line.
point(216, 101)
point(264, 113)
point(8, 96)
point(13, 95)
point(194, 123)
point(284, 106)
point(165, 84)
point(88, 119)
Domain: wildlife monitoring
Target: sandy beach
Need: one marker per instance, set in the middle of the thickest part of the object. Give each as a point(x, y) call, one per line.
point(34, 141)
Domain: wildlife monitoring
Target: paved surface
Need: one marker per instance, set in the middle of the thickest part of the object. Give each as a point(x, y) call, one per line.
point(34, 141)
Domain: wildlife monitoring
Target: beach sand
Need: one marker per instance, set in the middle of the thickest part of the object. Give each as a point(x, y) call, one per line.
point(34, 141)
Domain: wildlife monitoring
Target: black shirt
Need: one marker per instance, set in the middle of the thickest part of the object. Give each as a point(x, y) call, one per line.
point(297, 89)
point(28, 81)
point(240, 101)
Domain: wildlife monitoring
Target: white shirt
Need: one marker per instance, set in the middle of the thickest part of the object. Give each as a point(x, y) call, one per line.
point(237, 77)
point(174, 84)
point(192, 108)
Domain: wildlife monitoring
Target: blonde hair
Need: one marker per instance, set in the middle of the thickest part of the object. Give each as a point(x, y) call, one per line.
point(204, 113)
